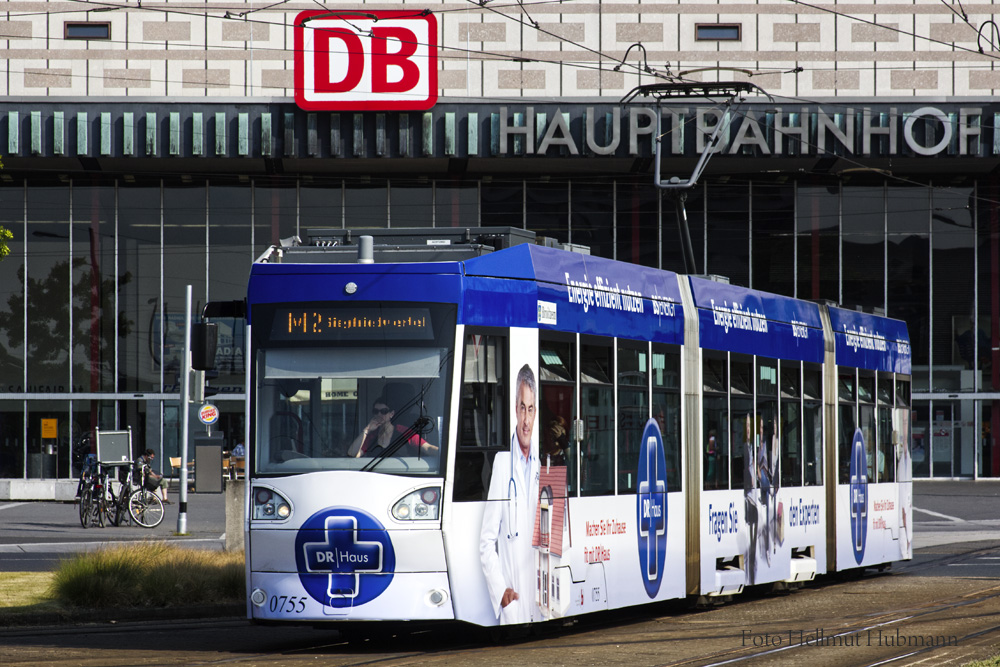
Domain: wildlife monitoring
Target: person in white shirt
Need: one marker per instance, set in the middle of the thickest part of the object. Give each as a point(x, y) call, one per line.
point(508, 521)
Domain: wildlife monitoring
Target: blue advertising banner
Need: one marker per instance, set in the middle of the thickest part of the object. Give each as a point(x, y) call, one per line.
point(869, 341)
point(564, 291)
point(747, 321)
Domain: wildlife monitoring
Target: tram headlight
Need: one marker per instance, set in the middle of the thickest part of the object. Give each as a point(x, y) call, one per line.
point(268, 504)
point(422, 504)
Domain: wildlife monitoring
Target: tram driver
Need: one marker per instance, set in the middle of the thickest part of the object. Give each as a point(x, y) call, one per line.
point(385, 426)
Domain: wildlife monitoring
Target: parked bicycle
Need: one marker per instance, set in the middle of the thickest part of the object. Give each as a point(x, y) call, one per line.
point(144, 506)
point(117, 499)
point(91, 492)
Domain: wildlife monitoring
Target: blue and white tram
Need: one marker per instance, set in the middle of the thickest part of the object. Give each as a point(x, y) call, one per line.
point(531, 434)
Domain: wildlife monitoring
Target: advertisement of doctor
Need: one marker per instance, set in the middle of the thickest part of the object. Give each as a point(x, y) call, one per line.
point(505, 544)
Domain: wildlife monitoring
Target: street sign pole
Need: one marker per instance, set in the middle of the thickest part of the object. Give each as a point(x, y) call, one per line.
point(185, 417)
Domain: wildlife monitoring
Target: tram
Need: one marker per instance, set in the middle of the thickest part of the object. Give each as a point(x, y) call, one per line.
point(472, 425)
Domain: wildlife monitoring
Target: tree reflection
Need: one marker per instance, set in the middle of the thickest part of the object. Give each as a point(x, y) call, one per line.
point(45, 334)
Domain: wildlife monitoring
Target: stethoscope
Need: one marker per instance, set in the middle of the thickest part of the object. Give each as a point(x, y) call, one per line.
point(512, 500)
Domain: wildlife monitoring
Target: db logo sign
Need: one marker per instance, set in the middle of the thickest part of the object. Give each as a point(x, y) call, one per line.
point(382, 60)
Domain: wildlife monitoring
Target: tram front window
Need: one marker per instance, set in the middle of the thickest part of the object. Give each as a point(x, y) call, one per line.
point(354, 405)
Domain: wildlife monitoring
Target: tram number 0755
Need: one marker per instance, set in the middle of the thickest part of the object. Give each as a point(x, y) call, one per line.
point(288, 604)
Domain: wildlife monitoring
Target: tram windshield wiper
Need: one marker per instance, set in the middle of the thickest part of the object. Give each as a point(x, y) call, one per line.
point(415, 429)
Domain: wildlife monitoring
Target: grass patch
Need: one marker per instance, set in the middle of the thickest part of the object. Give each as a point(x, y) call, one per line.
point(989, 662)
point(24, 589)
point(149, 574)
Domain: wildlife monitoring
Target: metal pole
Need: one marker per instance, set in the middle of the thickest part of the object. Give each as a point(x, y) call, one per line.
point(185, 416)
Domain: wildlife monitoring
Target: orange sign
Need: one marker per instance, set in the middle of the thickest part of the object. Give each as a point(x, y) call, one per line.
point(50, 429)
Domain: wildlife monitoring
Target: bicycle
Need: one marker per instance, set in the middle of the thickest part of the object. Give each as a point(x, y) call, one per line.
point(144, 507)
point(116, 503)
point(93, 506)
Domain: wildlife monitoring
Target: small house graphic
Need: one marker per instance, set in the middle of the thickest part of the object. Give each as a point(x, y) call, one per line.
point(551, 523)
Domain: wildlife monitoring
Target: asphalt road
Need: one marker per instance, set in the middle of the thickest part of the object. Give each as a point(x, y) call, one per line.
point(35, 536)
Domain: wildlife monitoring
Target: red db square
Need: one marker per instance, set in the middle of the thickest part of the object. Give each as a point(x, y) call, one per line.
point(353, 60)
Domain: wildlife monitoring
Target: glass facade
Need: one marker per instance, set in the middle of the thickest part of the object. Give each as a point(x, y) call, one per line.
point(92, 295)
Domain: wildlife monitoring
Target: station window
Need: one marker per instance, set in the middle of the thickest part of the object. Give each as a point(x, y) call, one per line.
point(86, 30)
point(597, 454)
point(557, 404)
point(482, 413)
point(812, 425)
point(633, 409)
point(667, 408)
point(791, 424)
point(715, 421)
point(718, 32)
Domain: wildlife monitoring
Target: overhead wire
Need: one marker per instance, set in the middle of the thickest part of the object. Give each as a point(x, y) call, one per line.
point(534, 25)
point(498, 56)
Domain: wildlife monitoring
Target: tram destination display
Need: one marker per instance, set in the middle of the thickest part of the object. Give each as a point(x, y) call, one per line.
point(327, 324)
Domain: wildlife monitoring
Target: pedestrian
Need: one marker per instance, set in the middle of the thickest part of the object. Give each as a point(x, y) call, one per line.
point(150, 480)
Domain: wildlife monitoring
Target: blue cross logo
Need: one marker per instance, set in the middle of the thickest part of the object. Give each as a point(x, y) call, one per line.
point(859, 496)
point(651, 507)
point(344, 557)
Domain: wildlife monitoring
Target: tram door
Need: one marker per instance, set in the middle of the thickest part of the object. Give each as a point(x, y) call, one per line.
point(558, 454)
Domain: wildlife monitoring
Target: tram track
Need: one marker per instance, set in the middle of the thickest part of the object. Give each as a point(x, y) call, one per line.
point(911, 597)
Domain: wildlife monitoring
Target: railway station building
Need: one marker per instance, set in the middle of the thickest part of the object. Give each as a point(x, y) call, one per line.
point(150, 146)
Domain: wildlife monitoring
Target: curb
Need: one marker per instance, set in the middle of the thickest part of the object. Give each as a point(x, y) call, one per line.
point(15, 623)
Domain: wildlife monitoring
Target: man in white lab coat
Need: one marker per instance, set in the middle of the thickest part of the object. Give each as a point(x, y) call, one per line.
point(508, 522)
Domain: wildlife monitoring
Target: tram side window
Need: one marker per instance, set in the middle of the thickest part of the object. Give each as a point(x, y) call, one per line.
point(633, 409)
point(597, 454)
point(557, 405)
point(741, 425)
point(812, 426)
point(866, 422)
point(667, 408)
point(482, 412)
point(886, 450)
point(767, 424)
point(715, 423)
point(791, 424)
point(847, 417)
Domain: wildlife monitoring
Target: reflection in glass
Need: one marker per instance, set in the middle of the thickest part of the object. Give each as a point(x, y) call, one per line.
point(863, 249)
point(597, 400)
point(94, 289)
point(12, 297)
point(139, 301)
point(817, 230)
point(773, 237)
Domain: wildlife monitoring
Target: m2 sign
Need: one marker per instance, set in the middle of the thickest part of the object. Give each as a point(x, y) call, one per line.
point(381, 60)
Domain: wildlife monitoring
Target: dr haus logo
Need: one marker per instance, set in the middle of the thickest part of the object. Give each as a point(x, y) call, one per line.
point(382, 60)
point(651, 508)
point(859, 496)
point(344, 557)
